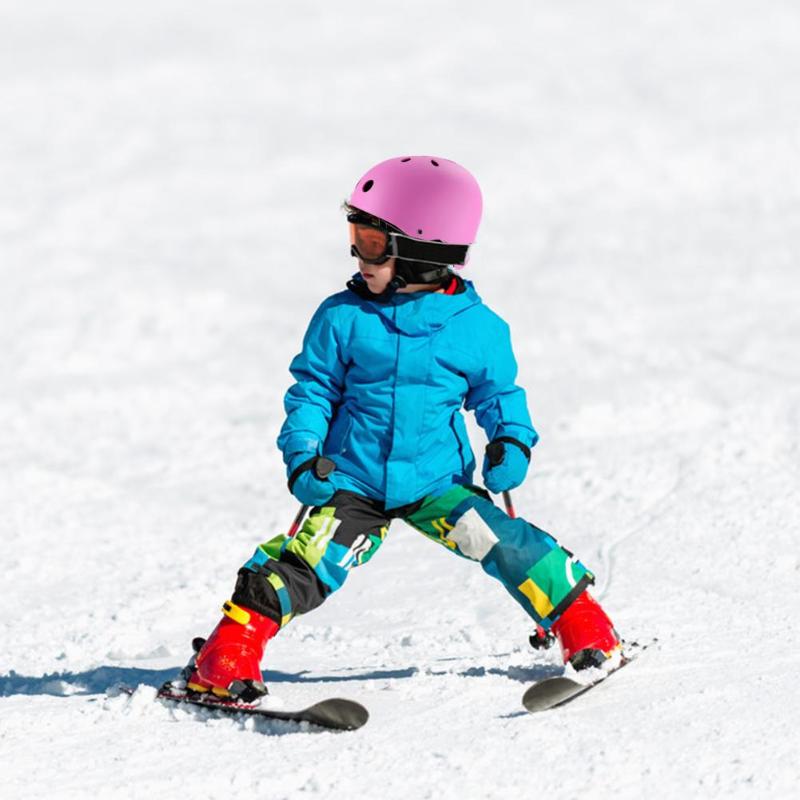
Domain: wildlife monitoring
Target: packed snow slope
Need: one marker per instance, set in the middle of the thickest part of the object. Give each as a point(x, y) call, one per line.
point(169, 220)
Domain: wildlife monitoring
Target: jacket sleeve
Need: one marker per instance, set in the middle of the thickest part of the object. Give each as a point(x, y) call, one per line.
point(499, 404)
point(310, 403)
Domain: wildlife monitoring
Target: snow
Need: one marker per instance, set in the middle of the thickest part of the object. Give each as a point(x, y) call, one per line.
point(171, 175)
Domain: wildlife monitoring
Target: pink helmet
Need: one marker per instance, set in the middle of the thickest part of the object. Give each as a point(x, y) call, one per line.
point(425, 197)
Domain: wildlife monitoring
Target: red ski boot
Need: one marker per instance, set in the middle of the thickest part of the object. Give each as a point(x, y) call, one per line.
point(586, 634)
point(229, 662)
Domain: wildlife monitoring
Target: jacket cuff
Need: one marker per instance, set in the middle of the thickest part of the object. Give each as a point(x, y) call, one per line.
point(300, 449)
point(522, 433)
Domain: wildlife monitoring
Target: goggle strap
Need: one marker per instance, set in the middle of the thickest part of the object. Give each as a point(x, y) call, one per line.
point(428, 252)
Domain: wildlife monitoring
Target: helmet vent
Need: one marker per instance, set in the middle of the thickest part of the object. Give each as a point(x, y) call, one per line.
point(367, 186)
point(419, 230)
point(408, 158)
point(435, 163)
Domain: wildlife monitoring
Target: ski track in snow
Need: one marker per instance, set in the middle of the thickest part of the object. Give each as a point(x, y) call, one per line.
point(168, 223)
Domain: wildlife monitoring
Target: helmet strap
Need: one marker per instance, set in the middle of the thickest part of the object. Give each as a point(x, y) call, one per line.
point(358, 285)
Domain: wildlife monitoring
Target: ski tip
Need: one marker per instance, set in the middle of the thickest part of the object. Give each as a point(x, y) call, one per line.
point(549, 693)
point(338, 713)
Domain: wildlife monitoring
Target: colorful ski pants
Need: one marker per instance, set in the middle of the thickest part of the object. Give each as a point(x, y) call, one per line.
point(291, 576)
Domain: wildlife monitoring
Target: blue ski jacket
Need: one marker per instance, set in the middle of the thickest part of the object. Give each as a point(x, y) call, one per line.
point(380, 387)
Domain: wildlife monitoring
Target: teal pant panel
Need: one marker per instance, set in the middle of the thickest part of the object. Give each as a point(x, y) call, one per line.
point(543, 577)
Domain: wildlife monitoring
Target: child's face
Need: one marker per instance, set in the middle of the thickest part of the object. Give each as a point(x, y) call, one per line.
point(377, 276)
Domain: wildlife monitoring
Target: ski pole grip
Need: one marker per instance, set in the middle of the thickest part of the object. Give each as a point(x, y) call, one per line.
point(509, 505)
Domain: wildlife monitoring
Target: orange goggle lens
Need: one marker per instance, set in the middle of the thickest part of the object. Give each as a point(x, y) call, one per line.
point(371, 243)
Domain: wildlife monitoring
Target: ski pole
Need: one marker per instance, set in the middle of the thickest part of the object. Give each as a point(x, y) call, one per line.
point(298, 520)
point(509, 505)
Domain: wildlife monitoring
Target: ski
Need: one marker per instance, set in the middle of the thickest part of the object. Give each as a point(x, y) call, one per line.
point(334, 713)
point(557, 691)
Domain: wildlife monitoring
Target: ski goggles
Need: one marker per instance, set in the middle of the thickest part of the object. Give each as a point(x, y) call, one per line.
point(368, 241)
point(374, 242)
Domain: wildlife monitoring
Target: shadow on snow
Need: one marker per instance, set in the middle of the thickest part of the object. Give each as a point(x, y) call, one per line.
point(101, 679)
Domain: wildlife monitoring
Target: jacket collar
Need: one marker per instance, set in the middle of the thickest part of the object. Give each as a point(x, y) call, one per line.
point(417, 313)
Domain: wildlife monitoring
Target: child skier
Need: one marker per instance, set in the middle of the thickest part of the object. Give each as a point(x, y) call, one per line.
point(374, 432)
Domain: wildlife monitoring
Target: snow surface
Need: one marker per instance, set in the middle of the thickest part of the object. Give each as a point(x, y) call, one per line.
point(171, 175)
